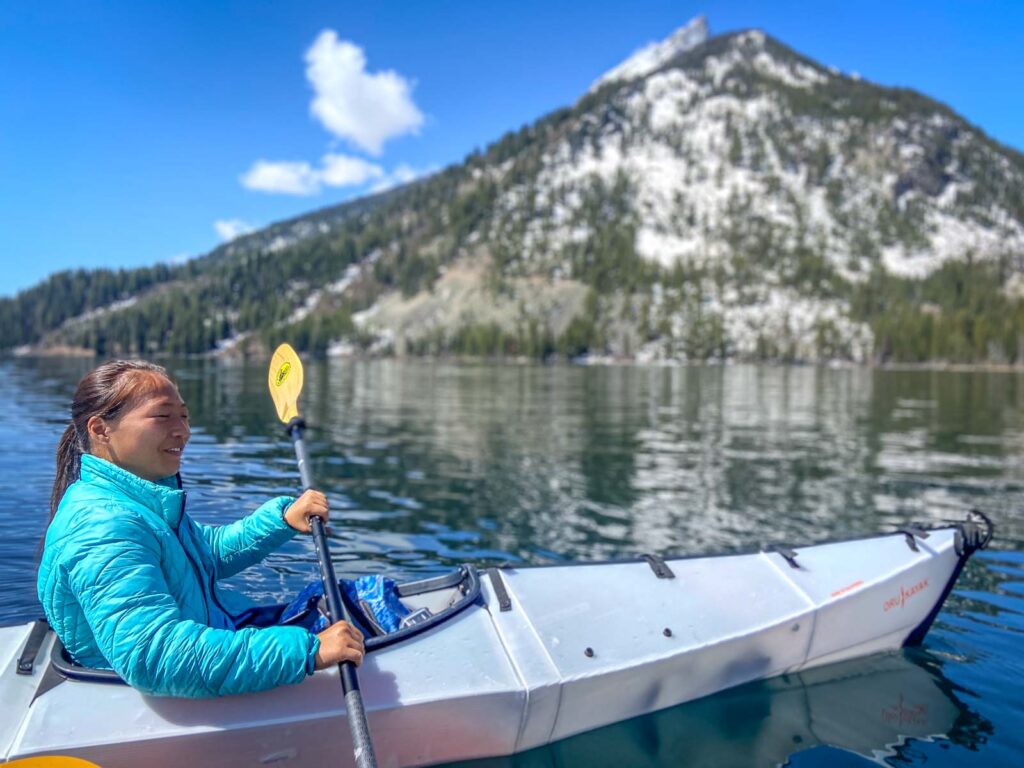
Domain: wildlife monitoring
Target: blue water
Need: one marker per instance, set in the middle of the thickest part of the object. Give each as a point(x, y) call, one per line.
point(429, 465)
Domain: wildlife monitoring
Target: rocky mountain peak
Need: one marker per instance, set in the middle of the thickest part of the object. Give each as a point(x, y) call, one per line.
point(654, 55)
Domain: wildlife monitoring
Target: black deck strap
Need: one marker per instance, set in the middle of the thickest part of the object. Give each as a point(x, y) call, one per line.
point(27, 659)
point(911, 533)
point(790, 555)
point(659, 566)
point(504, 601)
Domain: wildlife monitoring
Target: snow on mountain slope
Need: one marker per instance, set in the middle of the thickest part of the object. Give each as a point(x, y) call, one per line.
point(656, 54)
point(743, 158)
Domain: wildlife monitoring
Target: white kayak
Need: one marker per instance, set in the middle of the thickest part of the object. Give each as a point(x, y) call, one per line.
point(513, 658)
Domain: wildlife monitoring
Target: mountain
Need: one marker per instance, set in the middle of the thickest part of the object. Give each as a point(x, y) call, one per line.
point(712, 197)
point(655, 55)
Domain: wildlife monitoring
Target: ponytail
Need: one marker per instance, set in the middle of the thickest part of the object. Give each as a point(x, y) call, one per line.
point(69, 465)
point(103, 392)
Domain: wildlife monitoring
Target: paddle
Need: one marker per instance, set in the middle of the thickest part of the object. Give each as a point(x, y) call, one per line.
point(285, 381)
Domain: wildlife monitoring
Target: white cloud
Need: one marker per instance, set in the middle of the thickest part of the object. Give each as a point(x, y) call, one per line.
point(290, 178)
point(346, 171)
point(300, 178)
point(229, 229)
point(402, 174)
point(364, 108)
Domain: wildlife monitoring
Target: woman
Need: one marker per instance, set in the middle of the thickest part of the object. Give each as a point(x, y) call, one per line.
point(128, 579)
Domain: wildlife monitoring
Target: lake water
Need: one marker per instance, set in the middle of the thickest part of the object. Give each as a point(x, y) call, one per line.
point(430, 465)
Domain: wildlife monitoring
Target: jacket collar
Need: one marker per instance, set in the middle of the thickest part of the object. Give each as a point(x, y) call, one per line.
point(163, 496)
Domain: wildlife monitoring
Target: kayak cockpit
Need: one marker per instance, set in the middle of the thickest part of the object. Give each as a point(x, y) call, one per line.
point(432, 601)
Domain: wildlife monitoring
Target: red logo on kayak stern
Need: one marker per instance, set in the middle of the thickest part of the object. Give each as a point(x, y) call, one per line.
point(900, 600)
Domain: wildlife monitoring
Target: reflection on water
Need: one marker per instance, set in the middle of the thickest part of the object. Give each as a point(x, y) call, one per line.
point(428, 465)
point(871, 708)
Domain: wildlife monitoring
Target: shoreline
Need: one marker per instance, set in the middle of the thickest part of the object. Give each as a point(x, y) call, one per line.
point(938, 365)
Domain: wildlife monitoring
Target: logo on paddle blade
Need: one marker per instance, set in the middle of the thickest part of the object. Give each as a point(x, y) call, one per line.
point(282, 374)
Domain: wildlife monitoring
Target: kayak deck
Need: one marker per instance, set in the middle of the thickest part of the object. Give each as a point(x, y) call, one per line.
point(543, 654)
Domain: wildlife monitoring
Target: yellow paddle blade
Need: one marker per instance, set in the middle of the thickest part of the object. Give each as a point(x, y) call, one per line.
point(52, 761)
point(285, 382)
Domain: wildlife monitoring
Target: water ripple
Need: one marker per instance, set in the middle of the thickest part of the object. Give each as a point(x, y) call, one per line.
point(429, 465)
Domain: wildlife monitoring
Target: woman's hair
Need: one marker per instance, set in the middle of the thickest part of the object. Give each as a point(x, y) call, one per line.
point(104, 392)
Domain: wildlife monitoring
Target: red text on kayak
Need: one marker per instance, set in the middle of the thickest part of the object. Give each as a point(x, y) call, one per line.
point(898, 601)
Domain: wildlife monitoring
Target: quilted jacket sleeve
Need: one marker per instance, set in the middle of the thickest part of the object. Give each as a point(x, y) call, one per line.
point(245, 542)
point(115, 575)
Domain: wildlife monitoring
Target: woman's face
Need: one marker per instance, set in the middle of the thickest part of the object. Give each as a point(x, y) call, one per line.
point(148, 438)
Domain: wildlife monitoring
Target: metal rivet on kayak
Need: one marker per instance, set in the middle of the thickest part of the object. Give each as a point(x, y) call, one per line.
point(667, 632)
point(795, 628)
point(589, 653)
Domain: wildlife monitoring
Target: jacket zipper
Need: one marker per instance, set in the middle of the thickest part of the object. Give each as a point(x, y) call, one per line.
point(198, 570)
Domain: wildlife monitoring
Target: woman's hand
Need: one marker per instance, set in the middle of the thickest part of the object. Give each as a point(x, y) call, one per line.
point(340, 642)
point(311, 503)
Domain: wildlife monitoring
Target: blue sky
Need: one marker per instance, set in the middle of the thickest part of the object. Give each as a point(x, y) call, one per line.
point(138, 132)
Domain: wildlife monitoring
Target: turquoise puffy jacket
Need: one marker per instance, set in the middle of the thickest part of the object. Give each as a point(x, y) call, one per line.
point(129, 582)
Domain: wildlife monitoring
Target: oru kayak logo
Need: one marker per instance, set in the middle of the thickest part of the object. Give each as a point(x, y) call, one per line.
point(282, 374)
point(906, 593)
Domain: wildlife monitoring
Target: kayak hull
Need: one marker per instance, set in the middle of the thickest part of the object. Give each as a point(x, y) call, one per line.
point(876, 708)
point(545, 653)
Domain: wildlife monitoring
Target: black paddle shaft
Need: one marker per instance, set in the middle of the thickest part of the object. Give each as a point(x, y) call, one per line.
point(337, 611)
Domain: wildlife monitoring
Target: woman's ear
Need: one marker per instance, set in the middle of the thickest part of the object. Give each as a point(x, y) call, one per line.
point(98, 430)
